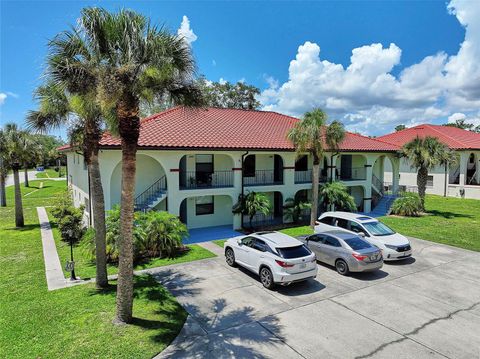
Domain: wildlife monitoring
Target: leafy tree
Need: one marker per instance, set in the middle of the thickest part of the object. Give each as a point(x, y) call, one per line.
point(400, 127)
point(69, 218)
point(310, 135)
point(132, 61)
point(423, 155)
point(61, 102)
point(228, 95)
point(334, 195)
point(464, 125)
point(251, 204)
point(293, 209)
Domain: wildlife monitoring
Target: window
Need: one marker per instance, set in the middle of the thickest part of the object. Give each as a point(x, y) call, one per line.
point(294, 252)
point(315, 238)
point(357, 244)
point(327, 220)
point(249, 166)
point(301, 164)
point(259, 245)
point(378, 229)
point(330, 241)
point(430, 181)
point(355, 227)
point(340, 222)
point(248, 241)
point(204, 205)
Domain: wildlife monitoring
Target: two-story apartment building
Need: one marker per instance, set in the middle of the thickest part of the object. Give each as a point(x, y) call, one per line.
point(196, 163)
point(459, 179)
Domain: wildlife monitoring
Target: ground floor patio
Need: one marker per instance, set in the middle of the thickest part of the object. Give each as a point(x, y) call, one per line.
point(425, 307)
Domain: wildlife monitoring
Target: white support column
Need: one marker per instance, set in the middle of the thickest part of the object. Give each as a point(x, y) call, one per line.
point(477, 167)
point(463, 168)
point(395, 174)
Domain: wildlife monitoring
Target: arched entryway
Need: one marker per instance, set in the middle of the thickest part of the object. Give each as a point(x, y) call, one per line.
point(262, 169)
point(471, 170)
point(148, 172)
point(206, 211)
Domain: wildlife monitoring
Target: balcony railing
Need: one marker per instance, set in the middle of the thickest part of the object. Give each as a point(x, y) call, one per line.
point(353, 174)
point(306, 177)
point(263, 178)
point(198, 179)
point(261, 219)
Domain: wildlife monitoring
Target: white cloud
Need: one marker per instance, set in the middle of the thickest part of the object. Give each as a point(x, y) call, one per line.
point(369, 98)
point(214, 63)
point(186, 32)
point(3, 97)
point(222, 81)
point(473, 119)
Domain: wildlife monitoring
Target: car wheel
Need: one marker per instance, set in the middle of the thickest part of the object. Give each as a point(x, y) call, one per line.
point(342, 267)
point(230, 257)
point(266, 277)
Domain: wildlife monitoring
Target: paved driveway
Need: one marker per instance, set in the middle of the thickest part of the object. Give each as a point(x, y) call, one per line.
point(425, 307)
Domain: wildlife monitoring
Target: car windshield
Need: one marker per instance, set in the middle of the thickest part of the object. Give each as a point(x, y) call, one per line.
point(293, 252)
point(378, 229)
point(357, 243)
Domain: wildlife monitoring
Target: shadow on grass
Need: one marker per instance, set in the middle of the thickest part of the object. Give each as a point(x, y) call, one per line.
point(27, 227)
point(448, 215)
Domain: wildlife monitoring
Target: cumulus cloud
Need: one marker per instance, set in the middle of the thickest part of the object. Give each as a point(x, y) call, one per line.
point(473, 119)
point(186, 32)
point(368, 98)
point(3, 97)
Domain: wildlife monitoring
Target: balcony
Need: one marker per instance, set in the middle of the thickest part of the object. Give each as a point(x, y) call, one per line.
point(263, 178)
point(200, 179)
point(306, 177)
point(353, 174)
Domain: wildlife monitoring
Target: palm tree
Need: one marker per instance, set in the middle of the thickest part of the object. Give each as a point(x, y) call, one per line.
point(16, 150)
point(57, 106)
point(311, 135)
point(334, 196)
point(3, 168)
point(251, 204)
point(134, 61)
point(423, 155)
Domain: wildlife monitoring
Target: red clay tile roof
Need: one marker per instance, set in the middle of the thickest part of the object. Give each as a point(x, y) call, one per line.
point(217, 128)
point(455, 138)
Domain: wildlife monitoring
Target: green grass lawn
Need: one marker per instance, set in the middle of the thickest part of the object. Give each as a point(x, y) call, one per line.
point(72, 322)
point(452, 221)
point(51, 173)
point(219, 242)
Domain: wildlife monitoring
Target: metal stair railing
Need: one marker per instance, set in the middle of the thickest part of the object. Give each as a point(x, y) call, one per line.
point(151, 193)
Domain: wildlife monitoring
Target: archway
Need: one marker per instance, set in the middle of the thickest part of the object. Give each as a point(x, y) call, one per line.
point(358, 193)
point(206, 211)
point(351, 167)
point(205, 171)
point(149, 170)
point(471, 169)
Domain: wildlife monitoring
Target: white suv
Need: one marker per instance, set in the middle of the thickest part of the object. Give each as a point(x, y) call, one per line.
point(276, 257)
point(394, 245)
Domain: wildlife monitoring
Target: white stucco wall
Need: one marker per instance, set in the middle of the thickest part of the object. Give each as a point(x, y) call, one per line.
point(222, 213)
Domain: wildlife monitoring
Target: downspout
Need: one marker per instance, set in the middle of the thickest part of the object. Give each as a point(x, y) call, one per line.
point(241, 214)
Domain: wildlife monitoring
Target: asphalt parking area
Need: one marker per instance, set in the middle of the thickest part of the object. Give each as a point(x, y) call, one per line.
point(425, 307)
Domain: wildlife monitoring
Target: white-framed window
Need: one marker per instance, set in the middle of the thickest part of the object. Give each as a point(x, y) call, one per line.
point(430, 181)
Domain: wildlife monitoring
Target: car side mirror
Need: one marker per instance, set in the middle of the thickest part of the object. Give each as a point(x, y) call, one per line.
point(239, 241)
point(361, 234)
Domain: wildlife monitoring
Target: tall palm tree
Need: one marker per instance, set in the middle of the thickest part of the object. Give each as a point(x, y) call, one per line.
point(423, 155)
point(134, 61)
point(312, 135)
point(57, 106)
point(16, 150)
point(3, 168)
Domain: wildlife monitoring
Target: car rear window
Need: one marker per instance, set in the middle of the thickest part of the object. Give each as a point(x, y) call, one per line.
point(293, 252)
point(357, 243)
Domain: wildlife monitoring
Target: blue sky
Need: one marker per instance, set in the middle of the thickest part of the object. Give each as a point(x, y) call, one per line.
point(257, 41)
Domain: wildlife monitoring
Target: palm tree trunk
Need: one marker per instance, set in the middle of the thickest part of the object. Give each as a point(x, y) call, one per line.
point(98, 213)
point(19, 221)
point(422, 177)
point(25, 172)
point(3, 195)
point(315, 184)
point(129, 129)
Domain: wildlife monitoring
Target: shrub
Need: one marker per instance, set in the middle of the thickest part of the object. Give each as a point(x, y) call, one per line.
point(68, 217)
point(335, 195)
point(408, 205)
point(155, 234)
point(294, 210)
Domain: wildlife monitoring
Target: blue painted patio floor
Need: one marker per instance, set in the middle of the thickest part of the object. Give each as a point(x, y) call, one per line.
point(198, 235)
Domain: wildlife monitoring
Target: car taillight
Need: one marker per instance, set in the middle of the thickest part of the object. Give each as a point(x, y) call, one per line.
point(317, 223)
point(284, 264)
point(359, 257)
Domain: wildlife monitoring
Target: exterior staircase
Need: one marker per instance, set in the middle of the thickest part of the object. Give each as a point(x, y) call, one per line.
point(152, 196)
point(383, 206)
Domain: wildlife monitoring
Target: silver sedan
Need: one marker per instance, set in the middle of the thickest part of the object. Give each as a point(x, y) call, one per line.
point(346, 251)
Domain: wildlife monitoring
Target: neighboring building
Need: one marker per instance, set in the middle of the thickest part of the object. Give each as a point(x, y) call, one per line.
point(461, 179)
point(190, 162)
